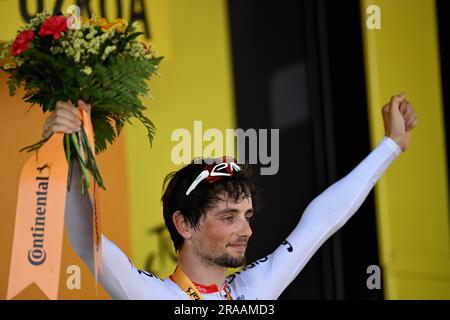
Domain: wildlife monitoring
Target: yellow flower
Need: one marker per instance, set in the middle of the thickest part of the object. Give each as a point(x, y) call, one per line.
point(9, 66)
point(118, 24)
point(85, 21)
point(99, 22)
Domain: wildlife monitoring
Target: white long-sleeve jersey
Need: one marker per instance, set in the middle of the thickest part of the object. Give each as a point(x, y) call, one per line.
point(265, 278)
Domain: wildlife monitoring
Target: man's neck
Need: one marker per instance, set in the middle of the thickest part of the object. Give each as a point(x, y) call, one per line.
point(199, 271)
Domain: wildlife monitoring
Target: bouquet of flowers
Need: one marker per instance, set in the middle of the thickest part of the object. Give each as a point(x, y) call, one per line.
point(57, 58)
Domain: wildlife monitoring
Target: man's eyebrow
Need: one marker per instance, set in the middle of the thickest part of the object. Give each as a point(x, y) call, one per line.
point(232, 210)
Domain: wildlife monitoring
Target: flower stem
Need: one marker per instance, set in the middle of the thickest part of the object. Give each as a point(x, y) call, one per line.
point(83, 167)
point(67, 142)
point(91, 160)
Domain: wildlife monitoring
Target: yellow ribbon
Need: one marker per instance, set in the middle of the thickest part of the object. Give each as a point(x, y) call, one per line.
point(185, 284)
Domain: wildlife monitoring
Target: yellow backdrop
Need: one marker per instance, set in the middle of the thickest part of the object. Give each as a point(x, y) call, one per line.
point(412, 197)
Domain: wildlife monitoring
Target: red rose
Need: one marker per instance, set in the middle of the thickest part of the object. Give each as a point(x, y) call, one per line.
point(22, 42)
point(54, 26)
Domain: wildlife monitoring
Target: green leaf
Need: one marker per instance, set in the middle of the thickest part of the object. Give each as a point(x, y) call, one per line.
point(113, 89)
point(134, 35)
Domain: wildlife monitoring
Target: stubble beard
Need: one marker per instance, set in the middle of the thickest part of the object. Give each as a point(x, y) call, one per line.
point(225, 260)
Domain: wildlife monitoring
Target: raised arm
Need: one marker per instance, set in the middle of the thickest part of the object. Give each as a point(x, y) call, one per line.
point(328, 212)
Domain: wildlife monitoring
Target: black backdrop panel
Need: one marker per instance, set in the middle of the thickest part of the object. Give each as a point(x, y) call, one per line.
point(298, 66)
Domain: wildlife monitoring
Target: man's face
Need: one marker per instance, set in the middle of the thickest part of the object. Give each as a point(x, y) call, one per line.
point(222, 234)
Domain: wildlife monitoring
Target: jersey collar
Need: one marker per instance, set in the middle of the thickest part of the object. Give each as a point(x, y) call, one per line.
point(213, 288)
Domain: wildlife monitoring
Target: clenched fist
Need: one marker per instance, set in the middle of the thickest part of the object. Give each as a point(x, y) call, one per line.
point(399, 120)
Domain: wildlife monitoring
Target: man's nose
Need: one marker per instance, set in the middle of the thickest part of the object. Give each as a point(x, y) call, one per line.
point(246, 230)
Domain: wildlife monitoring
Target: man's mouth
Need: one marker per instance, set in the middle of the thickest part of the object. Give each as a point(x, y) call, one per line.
point(240, 246)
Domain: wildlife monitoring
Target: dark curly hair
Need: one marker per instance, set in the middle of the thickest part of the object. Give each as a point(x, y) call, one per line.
point(205, 196)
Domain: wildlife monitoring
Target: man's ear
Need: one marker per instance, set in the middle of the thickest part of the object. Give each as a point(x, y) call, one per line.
point(182, 225)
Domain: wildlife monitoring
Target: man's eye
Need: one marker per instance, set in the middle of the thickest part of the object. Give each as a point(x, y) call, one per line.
point(229, 219)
